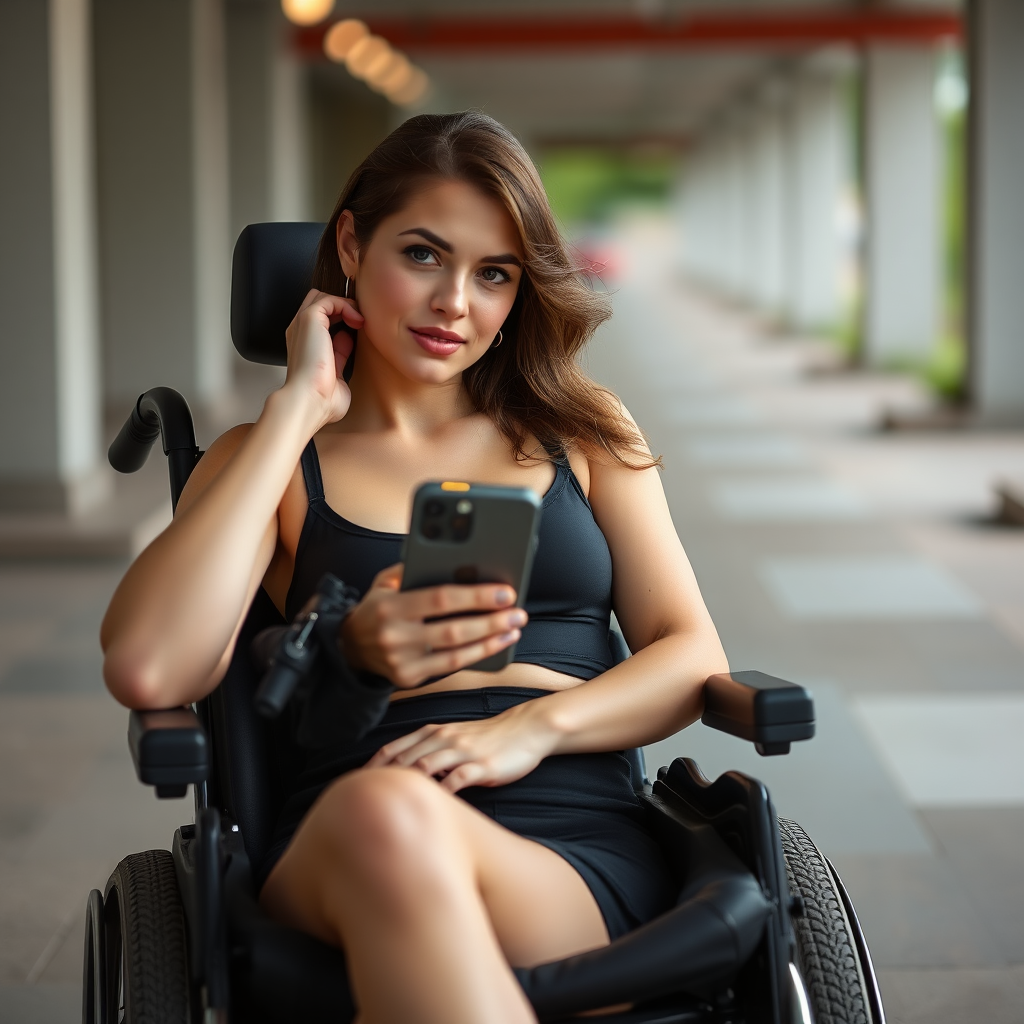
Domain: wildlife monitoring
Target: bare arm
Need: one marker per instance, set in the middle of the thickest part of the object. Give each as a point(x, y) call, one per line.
point(170, 628)
point(664, 620)
point(651, 695)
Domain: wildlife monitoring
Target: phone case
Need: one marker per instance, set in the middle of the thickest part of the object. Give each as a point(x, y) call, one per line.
point(472, 533)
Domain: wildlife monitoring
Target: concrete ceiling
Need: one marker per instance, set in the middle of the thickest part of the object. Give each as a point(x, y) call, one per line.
point(590, 93)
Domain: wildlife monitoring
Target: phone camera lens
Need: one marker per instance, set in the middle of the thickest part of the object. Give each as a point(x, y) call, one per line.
point(431, 530)
point(433, 507)
point(460, 527)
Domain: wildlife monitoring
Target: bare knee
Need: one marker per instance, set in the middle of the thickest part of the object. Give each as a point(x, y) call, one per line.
point(388, 826)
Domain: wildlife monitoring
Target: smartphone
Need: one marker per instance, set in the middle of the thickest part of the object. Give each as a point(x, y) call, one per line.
point(472, 533)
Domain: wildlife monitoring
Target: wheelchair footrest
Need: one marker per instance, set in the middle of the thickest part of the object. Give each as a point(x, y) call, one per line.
point(703, 940)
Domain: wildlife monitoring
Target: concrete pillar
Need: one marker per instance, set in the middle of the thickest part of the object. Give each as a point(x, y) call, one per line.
point(769, 210)
point(49, 384)
point(819, 148)
point(747, 206)
point(711, 199)
point(702, 214)
point(162, 134)
point(705, 215)
point(996, 208)
point(902, 177)
point(267, 105)
point(729, 182)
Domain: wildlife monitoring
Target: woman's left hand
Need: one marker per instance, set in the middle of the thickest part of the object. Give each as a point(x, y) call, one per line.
point(487, 752)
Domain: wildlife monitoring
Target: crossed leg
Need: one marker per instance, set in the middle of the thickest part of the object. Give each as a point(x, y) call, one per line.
point(430, 899)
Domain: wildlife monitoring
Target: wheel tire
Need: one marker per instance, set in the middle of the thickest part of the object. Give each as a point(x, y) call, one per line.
point(826, 949)
point(146, 951)
point(94, 973)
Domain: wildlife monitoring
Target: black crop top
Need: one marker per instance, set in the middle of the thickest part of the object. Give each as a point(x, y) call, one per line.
point(569, 599)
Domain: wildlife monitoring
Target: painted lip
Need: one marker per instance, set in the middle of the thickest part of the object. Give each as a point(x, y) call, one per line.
point(437, 342)
point(436, 332)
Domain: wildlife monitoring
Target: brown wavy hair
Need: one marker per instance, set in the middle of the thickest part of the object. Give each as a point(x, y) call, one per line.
point(532, 383)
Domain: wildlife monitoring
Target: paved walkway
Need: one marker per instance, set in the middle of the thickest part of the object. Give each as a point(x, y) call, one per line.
point(860, 564)
point(865, 566)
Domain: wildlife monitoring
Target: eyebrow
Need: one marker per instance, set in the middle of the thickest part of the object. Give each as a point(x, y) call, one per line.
point(506, 257)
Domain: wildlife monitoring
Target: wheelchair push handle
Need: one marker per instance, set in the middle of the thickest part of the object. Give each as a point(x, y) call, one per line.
point(159, 413)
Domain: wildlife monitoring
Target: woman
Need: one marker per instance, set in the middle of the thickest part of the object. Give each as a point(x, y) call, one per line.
point(487, 821)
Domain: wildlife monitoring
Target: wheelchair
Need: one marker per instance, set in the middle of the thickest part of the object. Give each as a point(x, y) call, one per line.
point(763, 930)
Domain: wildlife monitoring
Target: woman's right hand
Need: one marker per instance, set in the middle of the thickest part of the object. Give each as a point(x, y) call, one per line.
point(315, 359)
point(390, 632)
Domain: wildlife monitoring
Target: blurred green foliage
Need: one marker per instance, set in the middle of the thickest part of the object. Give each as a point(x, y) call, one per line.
point(947, 370)
point(588, 184)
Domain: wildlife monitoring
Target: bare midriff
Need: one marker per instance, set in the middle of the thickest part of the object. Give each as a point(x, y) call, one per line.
point(517, 674)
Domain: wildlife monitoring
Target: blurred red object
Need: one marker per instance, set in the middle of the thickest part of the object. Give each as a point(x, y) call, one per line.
point(599, 258)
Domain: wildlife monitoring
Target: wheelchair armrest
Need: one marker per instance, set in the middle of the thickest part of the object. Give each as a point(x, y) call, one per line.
point(169, 749)
point(770, 712)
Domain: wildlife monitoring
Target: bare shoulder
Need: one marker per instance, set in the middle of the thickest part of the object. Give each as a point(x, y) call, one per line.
point(214, 459)
point(605, 472)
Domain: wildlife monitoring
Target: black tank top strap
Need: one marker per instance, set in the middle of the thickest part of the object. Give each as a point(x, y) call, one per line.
point(311, 473)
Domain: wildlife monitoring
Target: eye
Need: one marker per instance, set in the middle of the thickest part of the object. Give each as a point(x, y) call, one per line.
point(494, 275)
point(421, 254)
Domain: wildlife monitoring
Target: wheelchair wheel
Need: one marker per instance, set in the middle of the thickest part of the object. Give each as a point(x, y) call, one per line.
point(144, 943)
point(828, 952)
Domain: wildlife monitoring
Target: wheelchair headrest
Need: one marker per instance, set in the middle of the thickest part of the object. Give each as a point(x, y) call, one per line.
point(270, 275)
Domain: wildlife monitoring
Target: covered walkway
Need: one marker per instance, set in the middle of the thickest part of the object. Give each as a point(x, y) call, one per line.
point(867, 567)
point(863, 565)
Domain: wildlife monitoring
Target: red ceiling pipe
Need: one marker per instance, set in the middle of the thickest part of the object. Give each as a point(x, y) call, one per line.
point(780, 29)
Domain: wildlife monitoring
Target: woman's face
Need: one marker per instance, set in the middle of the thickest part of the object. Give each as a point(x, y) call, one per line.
point(437, 279)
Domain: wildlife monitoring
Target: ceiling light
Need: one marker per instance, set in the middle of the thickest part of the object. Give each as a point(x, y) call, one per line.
point(413, 91)
point(306, 12)
point(380, 68)
point(392, 76)
point(342, 36)
point(365, 54)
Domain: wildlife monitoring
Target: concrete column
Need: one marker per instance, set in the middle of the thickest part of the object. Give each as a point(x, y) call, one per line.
point(688, 213)
point(701, 229)
point(902, 172)
point(711, 198)
point(162, 135)
point(706, 215)
point(996, 208)
point(268, 117)
point(769, 209)
point(819, 171)
point(728, 189)
point(49, 385)
point(746, 206)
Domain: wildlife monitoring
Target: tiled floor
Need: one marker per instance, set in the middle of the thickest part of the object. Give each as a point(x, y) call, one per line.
point(865, 566)
point(860, 564)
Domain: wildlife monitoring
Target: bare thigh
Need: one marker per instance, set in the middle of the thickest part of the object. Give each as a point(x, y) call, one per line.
point(539, 906)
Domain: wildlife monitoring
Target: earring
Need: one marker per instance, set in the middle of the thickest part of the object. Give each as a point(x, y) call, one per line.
point(348, 282)
point(499, 341)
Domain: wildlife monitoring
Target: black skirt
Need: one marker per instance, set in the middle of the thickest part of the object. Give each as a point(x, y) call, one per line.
point(582, 806)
